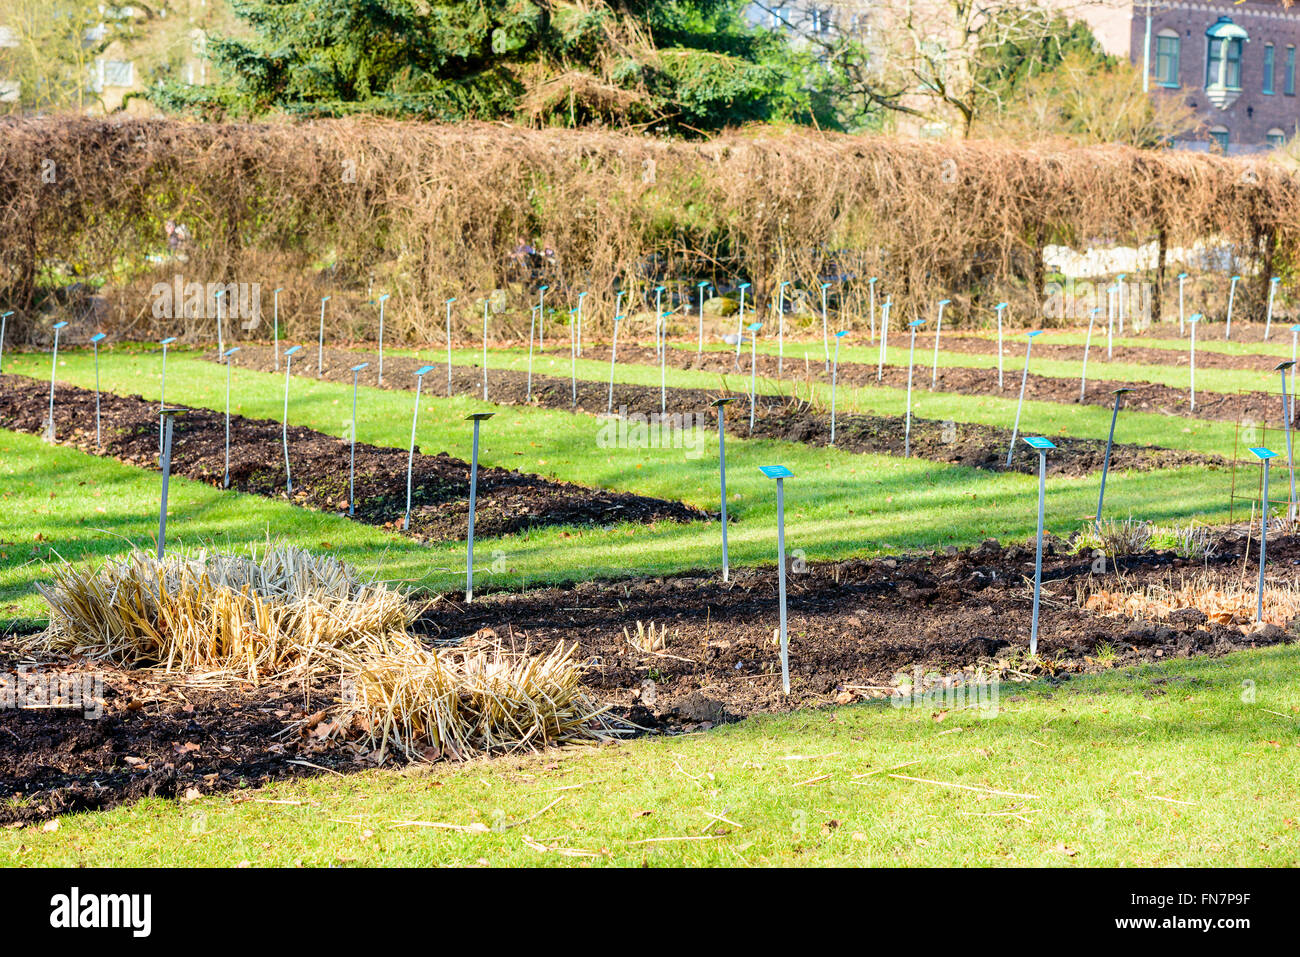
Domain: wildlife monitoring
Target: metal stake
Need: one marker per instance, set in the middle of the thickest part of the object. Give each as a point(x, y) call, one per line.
point(168, 416)
point(284, 421)
point(1110, 441)
point(4, 319)
point(420, 373)
point(1041, 445)
point(700, 349)
point(95, 340)
point(1087, 345)
point(721, 406)
point(871, 287)
point(352, 454)
point(226, 357)
point(1232, 296)
point(1268, 319)
point(54, 365)
point(1000, 307)
point(573, 359)
point(581, 296)
point(780, 329)
point(907, 432)
point(663, 370)
point(477, 418)
point(884, 337)
point(781, 473)
point(1192, 320)
point(753, 365)
point(162, 394)
point(613, 353)
point(835, 371)
point(382, 299)
point(938, 328)
point(1286, 418)
point(1264, 455)
point(532, 325)
point(740, 323)
point(485, 325)
point(220, 296)
point(541, 318)
point(826, 343)
point(1119, 300)
point(1029, 344)
point(320, 345)
point(1182, 323)
point(275, 328)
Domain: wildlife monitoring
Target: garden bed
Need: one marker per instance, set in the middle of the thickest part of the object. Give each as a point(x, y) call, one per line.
point(787, 419)
point(1264, 406)
point(854, 628)
point(508, 501)
point(1045, 348)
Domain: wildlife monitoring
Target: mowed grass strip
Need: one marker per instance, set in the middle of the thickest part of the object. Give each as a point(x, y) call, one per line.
point(839, 505)
point(1187, 764)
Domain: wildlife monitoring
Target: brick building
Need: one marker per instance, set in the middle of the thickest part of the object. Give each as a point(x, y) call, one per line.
point(1234, 62)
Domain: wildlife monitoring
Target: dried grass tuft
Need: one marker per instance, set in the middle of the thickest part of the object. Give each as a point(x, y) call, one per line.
point(458, 702)
point(283, 611)
point(1221, 603)
point(647, 639)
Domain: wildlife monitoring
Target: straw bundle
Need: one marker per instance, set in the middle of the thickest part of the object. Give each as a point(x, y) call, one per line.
point(1221, 603)
point(457, 702)
point(285, 611)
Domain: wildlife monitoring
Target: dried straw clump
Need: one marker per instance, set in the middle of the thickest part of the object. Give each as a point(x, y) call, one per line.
point(458, 702)
point(1221, 603)
point(261, 616)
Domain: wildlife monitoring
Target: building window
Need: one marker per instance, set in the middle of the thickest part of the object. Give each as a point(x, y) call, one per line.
point(1268, 68)
point(1219, 139)
point(821, 20)
point(1223, 55)
point(10, 90)
point(778, 17)
point(1276, 137)
point(1288, 76)
point(1167, 55)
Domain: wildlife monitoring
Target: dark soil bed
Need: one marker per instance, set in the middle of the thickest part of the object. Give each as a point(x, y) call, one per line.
point(1014, 351)
point(790, 419)
point(157, 736)
point(854, 627)
point(508, 501)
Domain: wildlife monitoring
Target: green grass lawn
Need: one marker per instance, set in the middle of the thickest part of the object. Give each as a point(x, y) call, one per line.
point(1191, 763)
point(839, 505)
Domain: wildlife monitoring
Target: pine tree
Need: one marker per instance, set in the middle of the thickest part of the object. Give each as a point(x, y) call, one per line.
point(663, 65)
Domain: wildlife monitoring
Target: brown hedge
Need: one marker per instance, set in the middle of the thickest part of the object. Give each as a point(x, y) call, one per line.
point(429, 212)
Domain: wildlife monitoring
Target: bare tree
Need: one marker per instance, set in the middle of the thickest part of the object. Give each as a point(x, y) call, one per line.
point(936, 61)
